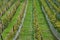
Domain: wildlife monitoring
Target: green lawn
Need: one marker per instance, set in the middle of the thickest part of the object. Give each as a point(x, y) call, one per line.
point(27, 30)
point(13, 21)
point(46, 33)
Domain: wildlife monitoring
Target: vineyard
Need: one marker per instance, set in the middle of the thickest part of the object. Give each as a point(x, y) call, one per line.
point(29, 19)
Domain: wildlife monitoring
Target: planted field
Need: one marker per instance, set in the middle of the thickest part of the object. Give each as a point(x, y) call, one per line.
point(29, 20)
